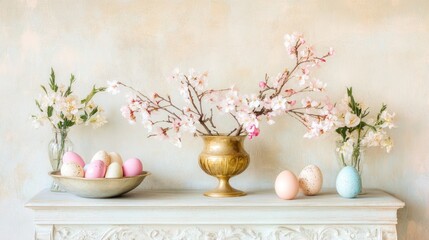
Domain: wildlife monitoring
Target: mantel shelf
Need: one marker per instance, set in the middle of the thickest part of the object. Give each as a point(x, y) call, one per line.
point(145, 212)
point(190, 198)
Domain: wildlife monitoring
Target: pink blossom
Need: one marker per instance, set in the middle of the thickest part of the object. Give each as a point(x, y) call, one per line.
point(161, 133)
point(247, 119)
point(270, 120)
point(176, 125)
point(292, 102)
point(317, 85)
point(308, 102)
point(154, 96)
point(262, 84)
point(302, 79)
point(305, 71)
point(128, 114)
point(175, 75)
point(229, 103)
point(253, 131)
point(289, 92)
point(331, 51)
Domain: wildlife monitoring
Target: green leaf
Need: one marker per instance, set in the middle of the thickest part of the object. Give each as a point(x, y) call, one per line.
point(69, 88)
point(52, 84)
point(92, 94)
point(84, 117)
point(94, 111)
point(343, 132)
point(365, 113)
point(44, 89)
point(383, 108)
point(353, 105)
point(38, 105)
point(68, 123)
point(50, 110)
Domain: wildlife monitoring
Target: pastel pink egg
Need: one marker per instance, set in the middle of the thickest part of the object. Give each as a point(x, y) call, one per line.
point(132, 167)
point(286, 185)
point(96, 169)
point(72, 157)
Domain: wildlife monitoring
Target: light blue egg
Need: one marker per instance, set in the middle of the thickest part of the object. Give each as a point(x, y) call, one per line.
point(348, 184)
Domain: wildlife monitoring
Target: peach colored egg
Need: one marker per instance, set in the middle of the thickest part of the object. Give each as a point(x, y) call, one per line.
point(310, 180)
point(114, 170)
point(103, 156)
point(70, 157)
point(115, 157)
point(71, 169)
point(96, 169)
point(286, 185)
point(132, 167)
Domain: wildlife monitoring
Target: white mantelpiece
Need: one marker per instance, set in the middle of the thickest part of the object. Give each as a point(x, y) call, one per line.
point(161, 215)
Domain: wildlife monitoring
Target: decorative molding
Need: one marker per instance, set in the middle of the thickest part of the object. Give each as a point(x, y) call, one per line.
point(203, 232)
point(389, 233)
point(44, 232)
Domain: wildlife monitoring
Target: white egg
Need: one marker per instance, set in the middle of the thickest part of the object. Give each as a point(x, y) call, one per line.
point(114, 171)
point(310, 180)
point(72, 169)
point(103, 156)
point(115, 157)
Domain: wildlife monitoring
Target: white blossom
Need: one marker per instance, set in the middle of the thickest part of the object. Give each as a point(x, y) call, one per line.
point(161, 133)
point(228, 103)
point(37, 121)
point(351, 120)
point(377, 139)
point(346, 150)
point(278, 103)
point(177, 141)
point(113, 87)
point(309, 103)
point(387, 119)
point(97, 120)
point(317, 85)
point(128, 114)
point(247, 119)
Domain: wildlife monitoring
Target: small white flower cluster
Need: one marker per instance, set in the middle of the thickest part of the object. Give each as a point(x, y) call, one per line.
point(58, 106)
point(356, 132)
point(274, 98)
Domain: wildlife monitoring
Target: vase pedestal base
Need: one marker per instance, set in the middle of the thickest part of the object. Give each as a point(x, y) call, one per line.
point(224, 189)
point(217, 194)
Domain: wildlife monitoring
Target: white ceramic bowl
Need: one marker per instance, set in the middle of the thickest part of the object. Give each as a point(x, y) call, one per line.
point(98, 187)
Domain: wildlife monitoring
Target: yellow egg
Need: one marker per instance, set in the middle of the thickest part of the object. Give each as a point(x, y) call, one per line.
point(310, 180)
point(114, 171)
point(103, 156)
point(72, 169)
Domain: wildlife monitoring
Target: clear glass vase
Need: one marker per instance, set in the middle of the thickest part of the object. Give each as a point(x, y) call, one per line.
point(59, 145)
point(350, 155)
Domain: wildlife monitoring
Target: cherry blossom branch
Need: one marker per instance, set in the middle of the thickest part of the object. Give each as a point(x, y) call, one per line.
point(273, 99)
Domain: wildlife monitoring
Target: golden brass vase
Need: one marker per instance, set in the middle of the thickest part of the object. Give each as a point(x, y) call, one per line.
point(224, 157)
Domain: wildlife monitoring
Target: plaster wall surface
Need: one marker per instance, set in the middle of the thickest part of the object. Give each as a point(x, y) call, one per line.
point(381, 50)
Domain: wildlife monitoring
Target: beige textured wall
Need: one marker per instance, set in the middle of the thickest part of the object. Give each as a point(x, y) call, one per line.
point(381, 51)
